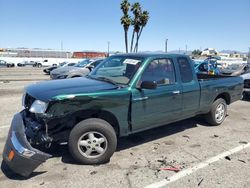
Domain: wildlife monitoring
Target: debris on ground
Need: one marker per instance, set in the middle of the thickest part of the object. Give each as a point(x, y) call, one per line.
point(65, 168)
point(93, 172)
point(243, 142)
point(131, 153)
point(242, 161)
point(200, 182)
point(186, 136)
point(175, 169)
point(228, 158)
point(42, 183)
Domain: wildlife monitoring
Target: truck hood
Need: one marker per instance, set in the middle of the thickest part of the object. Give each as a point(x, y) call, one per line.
point(47, 90)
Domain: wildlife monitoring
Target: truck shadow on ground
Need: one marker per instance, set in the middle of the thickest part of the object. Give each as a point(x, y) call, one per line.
point(138, 138)
point(61, 151)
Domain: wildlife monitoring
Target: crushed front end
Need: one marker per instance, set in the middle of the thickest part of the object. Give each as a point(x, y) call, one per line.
point(18, 153)
point(26, 131)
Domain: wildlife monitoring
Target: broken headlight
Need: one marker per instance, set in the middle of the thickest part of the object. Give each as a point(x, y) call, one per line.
point(38, 107)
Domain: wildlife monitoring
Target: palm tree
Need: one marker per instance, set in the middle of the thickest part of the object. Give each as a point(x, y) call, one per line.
point(136, 9)
point(144, 17)
point(125, 20)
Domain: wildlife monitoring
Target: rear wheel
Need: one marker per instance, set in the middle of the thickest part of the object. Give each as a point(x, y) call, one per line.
point(217, 113)
point(92, 141)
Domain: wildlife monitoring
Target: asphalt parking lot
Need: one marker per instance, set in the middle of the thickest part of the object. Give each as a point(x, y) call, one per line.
point(207, 156)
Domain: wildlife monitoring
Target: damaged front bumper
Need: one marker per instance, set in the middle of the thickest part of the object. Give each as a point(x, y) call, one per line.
point(18, 154)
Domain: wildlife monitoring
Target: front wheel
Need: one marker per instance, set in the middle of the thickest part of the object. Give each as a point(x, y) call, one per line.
point(92, 141)
point(217, 113)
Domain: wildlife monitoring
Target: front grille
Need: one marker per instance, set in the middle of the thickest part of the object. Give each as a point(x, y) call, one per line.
point(247, 83)
point(28, 101)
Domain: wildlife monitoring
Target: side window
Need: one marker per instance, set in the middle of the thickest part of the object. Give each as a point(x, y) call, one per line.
point(160, 71)
point(185, 70)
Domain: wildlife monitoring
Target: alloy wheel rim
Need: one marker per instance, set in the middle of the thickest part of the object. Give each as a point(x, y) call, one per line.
point(92, 144)
point(220, 113)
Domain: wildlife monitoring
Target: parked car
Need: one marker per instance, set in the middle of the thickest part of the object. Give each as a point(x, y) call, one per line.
point(90, 113)
point(63, 64)
point(81, 69)
point(235, 69)
point(6, 64)
point(246, 78)
point(29, 64)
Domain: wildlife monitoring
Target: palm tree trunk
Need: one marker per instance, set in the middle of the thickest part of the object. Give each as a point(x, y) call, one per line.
point(132, 41)
point(137, 35)
point(126, 40)
point(138, 38)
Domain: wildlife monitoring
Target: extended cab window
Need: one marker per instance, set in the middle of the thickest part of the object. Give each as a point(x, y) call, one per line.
point(160, 71)
point(185, 70)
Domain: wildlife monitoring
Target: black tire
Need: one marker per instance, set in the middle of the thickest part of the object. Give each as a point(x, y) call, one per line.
point(211, 116)
point(245, 96)
point(39, 65)
point(92, 125)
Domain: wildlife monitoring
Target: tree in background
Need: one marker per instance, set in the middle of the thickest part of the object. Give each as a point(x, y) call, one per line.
point(125, 20)
point(139, 21)
point(196, 53)
point(136, 10)
point(144, 17)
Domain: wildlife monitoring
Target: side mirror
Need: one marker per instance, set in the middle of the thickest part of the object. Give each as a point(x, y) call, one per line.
point(148, 85)
point(90, 67)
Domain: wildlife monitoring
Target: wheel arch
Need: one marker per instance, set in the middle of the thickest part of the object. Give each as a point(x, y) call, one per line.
point(226, 96)
point(100, 114)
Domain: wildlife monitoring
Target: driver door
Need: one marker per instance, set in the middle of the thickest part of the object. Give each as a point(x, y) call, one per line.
point(154, 107)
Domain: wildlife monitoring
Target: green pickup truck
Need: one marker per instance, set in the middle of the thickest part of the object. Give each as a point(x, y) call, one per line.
point(123, 95)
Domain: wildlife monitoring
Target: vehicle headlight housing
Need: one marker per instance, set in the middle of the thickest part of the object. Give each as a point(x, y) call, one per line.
point(38, 107)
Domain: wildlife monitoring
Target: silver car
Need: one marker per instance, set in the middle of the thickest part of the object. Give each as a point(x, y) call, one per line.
point(80, 69)
point(246, 78)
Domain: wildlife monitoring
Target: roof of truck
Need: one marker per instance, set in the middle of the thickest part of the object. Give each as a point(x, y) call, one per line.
point(147, 55)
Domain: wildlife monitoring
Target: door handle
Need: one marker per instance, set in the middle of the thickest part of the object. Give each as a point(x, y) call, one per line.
point(176, 92)
point(140, 99)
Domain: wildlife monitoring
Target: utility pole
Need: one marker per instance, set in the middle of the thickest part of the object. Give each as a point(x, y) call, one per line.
point(248, 59)
point(166, 46)
point(186, 49)
point(108, 47)
point(61, 54)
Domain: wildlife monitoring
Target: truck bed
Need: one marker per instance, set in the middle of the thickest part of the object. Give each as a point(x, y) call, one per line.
point(209, 77)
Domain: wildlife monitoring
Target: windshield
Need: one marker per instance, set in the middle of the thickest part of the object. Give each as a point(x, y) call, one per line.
point(117, 69)
point(82, 63)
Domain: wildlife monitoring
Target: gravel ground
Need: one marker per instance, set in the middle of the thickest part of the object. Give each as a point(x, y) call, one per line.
point(139, 158)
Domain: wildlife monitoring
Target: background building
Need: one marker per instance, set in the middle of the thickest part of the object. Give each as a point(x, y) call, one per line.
point(89, 55)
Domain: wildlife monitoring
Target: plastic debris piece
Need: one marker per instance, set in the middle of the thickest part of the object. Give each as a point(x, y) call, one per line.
point(171, 169)
point(228, 158)
point(243, 142)
point(242, 161)
point(200, 182)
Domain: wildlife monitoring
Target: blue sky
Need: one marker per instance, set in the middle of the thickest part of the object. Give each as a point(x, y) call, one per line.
point(89, 24)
